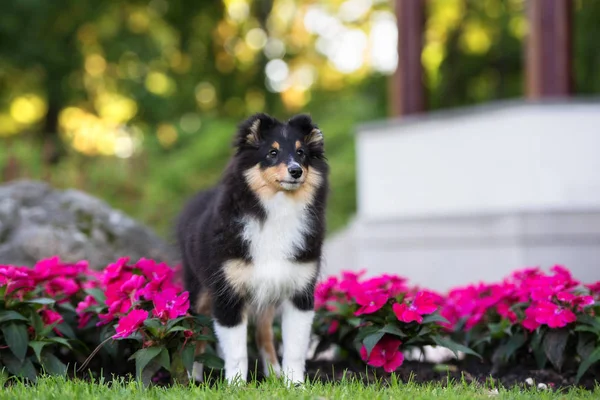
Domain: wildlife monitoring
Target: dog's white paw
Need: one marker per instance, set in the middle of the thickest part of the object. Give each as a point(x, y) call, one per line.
point(197, 374)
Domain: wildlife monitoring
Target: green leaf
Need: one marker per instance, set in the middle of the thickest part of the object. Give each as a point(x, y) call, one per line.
point(143, 357)
point(24, 369)
point(589, 320)
point(366, 331)
point(187, 357)
point(10, 315)
point(164, 359)
point(505, 352)
point(52, 365)
point(538, 350)
point(59, 340)
point(211, 361)
point(41, 300)
point(153, 326)
point(585, 344)
point(38, 324)
point(486, 339)
point(423, 330)
point(345, 330)
point(453, 346)
point(177, 329)
point(175, 321)
point(203, 320)
point(17, 339)
point(587, 328)
point(371, 340)
point(37, 347)
point(48, 328)
point(500, 330)
point(97, 294)
point(554, 345)
point(153, 322)
point(66, 330)
point(587, 363)
point(434, 318)
point(67, 307)
point(392, 330)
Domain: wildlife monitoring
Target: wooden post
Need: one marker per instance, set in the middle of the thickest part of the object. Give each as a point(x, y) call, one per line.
point(407, 92)
point(548, 52)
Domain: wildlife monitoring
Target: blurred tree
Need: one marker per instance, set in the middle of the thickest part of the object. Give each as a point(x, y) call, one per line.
point(473, 51)
point(160, 84)
point(586, 49)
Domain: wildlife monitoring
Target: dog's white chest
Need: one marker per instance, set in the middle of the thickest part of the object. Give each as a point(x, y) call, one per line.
point(272, 245)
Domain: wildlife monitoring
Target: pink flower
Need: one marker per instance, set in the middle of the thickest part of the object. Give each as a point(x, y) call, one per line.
point(583, 301)
point(50, 317)
point(566, 297)
point(390, 283)
point(167, 305)
point(504, 311)
point(333, 327)
point(385, 354)
point(530, 323)
point(59, 287)
point(324, 292)
point(156, 285)
point(350, 282)
point(552, 315)
point(51, 268)
point(153, 270)
point(187, 334)
point(118, 270)
point(121, 295)
point(594, 287)
point(87, 302)
point(130, 323)
point(16, 279)
point(422, 304)
point(85, 317)
point(134, 283)
point(370, 301)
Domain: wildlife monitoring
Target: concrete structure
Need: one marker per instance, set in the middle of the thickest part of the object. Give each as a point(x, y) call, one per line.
point(458, 196)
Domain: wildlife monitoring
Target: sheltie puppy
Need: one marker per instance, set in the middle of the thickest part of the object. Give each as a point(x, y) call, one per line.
point(252, 244)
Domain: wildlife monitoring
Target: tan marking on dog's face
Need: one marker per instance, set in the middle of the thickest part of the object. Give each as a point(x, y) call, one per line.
point(238, 274)
point(307, 191)
point(264, 334)
point(265, 182)
point(298, 144)
point(275, 145)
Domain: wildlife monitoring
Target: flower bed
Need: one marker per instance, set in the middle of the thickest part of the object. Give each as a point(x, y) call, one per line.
point(134, 318)
point(56, 312)
point(551, 318)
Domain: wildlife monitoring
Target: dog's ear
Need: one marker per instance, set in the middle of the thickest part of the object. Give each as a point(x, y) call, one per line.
point(250, 131)
point(312, 134)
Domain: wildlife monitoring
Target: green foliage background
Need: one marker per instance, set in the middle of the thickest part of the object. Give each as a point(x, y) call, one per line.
point(155, 54)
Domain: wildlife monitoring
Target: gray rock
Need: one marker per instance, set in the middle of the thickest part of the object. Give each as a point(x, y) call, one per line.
point(37, 221)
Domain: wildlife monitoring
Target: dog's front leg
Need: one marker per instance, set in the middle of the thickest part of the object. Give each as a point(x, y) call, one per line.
point(231, 329)
point(296, 323)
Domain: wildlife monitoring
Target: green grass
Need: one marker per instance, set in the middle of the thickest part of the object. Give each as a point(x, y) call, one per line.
point(60, 388)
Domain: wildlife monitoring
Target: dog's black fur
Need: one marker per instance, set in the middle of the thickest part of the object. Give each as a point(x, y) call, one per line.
point(209, 227)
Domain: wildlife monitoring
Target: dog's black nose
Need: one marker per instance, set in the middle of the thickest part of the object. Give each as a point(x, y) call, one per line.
point(295, 171)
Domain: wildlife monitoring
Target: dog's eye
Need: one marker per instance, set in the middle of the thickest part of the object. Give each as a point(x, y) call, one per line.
point(300, 152)
point(273, 153)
